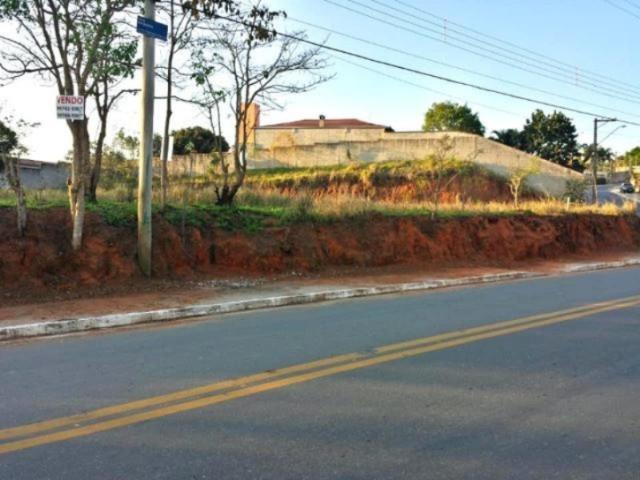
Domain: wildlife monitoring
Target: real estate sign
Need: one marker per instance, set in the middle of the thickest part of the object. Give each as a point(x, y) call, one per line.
point(70, 107)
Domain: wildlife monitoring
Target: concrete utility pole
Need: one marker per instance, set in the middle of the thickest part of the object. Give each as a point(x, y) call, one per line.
point(145, 176)
point(594, 155)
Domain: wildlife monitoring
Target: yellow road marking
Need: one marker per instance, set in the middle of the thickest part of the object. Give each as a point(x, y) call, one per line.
point(325, 368)
point(168, 398)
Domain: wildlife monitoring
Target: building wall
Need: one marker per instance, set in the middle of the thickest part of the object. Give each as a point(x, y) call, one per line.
point(42, 176)
point(496, 157)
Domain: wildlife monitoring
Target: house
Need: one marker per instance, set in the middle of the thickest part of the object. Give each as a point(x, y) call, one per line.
point(38, 175)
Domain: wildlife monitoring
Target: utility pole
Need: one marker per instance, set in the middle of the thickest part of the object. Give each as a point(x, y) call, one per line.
point(145, 175)
point(594, 155)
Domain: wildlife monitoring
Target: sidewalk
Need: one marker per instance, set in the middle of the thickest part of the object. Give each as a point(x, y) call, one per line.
point(211, 298)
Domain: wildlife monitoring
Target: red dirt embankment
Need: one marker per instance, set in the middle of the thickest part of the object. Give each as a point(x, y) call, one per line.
point(43, 259)
point(480, 187)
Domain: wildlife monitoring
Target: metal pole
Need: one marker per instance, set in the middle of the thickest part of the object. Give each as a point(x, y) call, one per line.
point(594, 161)
point(145, 175)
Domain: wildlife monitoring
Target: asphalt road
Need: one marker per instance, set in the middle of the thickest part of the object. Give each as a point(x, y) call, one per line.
point(610, 193)
point(553, 394)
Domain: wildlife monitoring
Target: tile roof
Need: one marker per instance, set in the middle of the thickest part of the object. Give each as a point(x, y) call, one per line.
point(328, 123)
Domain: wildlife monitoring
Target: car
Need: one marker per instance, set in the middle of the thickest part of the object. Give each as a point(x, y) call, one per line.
point(626, 187)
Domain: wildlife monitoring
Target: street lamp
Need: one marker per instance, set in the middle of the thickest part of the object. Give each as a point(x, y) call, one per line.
point(612, 132)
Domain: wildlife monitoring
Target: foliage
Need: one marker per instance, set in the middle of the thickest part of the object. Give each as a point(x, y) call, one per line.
point(452, 117)
point(202, 140)
point(518, 180)
point(8, 139)
point(119, 171)
point(552, 137)
point(512, 137)
point(576, 190)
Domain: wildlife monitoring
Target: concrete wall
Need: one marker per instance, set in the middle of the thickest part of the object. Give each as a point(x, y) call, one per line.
point(41, 175)
point(179, 165)
point(496, 157)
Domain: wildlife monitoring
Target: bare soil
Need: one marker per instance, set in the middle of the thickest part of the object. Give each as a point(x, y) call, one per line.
point(42, 266)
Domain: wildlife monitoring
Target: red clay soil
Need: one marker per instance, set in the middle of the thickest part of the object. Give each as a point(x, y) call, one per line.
point(479, 187)
point(44, 261)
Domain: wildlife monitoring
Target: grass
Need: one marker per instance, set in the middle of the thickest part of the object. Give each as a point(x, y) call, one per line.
point(259, 204)
point(377, 174)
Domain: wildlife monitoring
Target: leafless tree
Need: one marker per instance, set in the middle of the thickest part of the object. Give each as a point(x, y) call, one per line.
point(62, 40)
point(252, 63)
point(518, 180)
point(443, 170)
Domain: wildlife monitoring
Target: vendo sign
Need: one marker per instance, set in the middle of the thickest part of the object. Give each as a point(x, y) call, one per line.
point(70, 107)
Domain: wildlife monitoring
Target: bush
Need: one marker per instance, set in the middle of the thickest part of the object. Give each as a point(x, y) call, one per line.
point(576, 190)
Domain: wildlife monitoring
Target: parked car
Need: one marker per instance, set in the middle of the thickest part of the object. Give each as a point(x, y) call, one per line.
point(626, 187)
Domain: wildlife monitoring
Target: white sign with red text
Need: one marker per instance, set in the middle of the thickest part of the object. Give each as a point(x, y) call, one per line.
point(70, 107)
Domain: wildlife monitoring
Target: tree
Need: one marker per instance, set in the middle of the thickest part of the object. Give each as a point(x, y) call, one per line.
point(552, 137)
point(9, 162)
point(157, 144)
point(129, 144)
point(199, 139)
point(452, 117)
point(63, 40)
point(605, 156)
point(181, 26)
point(119, 171)
point(442, 172)
point(256, 64)
point(518, 180)
point(512, 137)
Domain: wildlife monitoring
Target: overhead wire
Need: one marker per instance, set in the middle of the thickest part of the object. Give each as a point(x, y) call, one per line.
point(456, 67)
point(601, 90)
point(324, 46)
point(570, 67)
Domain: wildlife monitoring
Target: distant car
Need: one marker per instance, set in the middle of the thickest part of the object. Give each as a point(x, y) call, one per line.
point(626, 187)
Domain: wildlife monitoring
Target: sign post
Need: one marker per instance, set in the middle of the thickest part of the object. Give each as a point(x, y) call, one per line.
point(70, 107)
point(151, 30)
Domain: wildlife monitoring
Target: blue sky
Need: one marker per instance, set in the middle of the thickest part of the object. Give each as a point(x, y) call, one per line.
point(586, 34)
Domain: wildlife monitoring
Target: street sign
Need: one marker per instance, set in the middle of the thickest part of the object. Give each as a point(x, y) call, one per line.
point(70, 107)
point(151, 28)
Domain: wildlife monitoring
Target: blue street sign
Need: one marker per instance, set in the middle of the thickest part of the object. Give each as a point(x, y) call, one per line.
point(151, 28)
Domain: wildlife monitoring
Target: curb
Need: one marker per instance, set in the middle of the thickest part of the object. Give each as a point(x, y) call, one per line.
point(60, 327)
point(66, 326)
point(590, 267)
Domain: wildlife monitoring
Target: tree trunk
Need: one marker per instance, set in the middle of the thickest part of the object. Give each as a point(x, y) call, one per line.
point(164, 174)
point(78, 181)
point(13, 176)
point(94, 178)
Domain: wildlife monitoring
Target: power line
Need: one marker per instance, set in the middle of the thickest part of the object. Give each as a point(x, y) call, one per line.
point(633, 4)
point(622, 9)
point(491, 56)
point(324, 46)
point(570, 67)
point(456, 67)
point(571, 77)
point(423, 87)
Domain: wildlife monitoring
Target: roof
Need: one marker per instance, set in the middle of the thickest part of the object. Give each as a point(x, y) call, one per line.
point(328, 123)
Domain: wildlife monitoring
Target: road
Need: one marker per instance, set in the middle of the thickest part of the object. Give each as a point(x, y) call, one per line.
point(611, 194)
point(534, 379)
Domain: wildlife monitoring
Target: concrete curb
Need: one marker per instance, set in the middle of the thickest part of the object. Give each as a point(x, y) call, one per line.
point(65, 326)
point(590, 267)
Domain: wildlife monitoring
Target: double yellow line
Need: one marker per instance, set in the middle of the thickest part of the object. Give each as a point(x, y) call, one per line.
point(103, 419)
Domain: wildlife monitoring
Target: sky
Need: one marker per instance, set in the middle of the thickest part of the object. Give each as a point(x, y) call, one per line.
point(589, 44)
